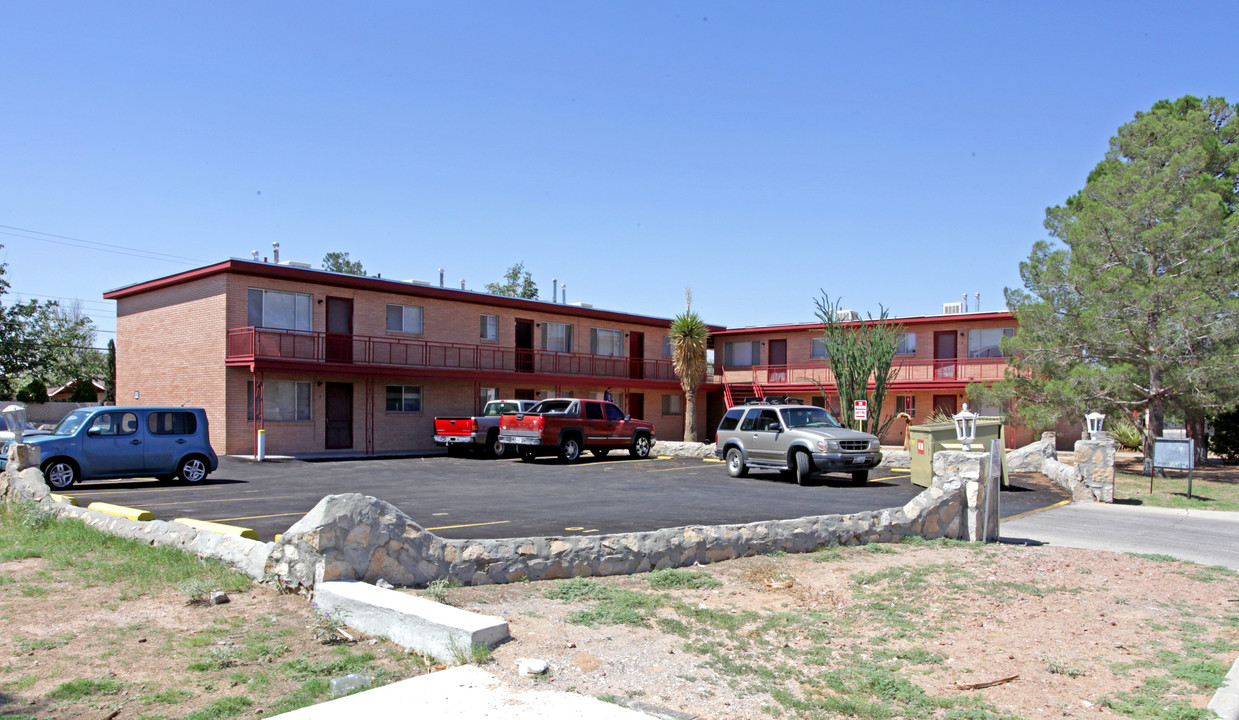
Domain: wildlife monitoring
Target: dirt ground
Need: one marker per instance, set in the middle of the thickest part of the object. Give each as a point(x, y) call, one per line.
point(1068, 633)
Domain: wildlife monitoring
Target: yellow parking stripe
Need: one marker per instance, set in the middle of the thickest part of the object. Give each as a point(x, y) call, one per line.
point(258, 517)
point(449, 527)
point(1032, 512)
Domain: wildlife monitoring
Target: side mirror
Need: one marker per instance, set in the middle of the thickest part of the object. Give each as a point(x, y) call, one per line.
point(92, 432)
point(775, 427)
point(627, 418)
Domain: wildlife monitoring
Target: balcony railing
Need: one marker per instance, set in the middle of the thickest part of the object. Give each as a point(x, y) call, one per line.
point(250, 343)
point(910, 371)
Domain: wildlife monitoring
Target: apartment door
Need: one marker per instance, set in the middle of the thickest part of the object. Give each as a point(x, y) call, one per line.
point(339, 330)
point(777, 372)
point(636, 405)
point(339, 416)
point(945, 404)
point(524, 394)
point(636, 355)
point(944, 354)
point(524, 345)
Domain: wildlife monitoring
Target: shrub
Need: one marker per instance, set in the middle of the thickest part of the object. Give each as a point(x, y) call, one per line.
point(1127, 435)
point(1226, 435)
point(84, 392)
point(34, 393)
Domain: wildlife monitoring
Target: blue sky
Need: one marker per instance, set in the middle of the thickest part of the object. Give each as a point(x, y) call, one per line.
point(888, 153)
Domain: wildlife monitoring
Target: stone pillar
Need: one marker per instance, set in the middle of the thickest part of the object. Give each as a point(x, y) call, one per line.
point(972, 469)
point(1095, 463)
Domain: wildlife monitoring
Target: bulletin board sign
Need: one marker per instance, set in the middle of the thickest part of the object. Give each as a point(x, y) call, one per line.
point(1176, 454)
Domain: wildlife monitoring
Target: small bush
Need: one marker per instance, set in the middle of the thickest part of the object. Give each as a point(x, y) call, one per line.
point(1127, 435)
point(327, 624)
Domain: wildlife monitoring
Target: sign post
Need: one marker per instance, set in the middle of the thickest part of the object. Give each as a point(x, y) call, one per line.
point(1174, 453)
point(860, 411)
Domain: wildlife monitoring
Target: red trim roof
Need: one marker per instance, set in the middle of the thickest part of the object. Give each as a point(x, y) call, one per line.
point(918, 320)
point(360, 282)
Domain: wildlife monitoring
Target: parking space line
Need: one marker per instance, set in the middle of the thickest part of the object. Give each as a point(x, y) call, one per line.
point(86, 491)
point(258, 517)
point(450, 527)
point(225, 500)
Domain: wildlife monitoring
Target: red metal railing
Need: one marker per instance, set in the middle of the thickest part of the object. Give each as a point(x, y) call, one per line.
point(251, 343)
point(957, 370)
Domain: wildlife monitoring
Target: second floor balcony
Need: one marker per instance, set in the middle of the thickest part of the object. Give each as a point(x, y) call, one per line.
point(267, 346)
point(918, 373)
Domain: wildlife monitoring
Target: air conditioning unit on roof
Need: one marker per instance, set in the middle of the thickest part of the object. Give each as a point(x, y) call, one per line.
point(848, 315)
point(952, 308)
point(294, 263)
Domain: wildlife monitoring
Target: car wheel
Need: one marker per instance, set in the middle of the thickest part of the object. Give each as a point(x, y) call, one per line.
point(497, 449)
point(735, 463)
point(192, 469)
point(804, 468)
point(860, 476)
point(570, 449)
point(60, 473)
point(601, 452)
point(641, 446)
point(527, 455)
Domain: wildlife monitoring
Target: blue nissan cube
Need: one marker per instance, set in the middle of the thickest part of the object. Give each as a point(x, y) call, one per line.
point(119, 442)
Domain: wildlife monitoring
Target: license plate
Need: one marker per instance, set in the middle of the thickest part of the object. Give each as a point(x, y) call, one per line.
point(859, 461)
point(510, 440)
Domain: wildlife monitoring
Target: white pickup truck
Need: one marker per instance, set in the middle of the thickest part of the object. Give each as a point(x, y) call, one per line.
point(478, 432)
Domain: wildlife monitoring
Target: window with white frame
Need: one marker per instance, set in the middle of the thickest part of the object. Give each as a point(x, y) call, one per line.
point(490, 327)
point(404, 398)
point(817, 348)
point(282, 401)
point(404, 319)
point(556, 337)
point(673, 404)
point(741, 354)
point(907, 344)
point(606, 342)
point(905, 404)
point(274, 309)
point(985, 343)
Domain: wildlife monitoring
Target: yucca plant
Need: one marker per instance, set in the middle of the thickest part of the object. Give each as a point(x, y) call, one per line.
point(1127, 435)
point(689, 335)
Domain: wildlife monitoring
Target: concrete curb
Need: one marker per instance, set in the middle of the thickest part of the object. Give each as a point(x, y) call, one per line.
point(431, 628)
point(1225, 701)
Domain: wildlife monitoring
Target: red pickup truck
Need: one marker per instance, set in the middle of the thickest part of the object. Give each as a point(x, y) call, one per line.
point(566, 426)
point(481, 431)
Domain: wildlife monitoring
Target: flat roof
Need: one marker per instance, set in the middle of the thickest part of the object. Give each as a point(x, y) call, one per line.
point(239, 266)
point(912, 320)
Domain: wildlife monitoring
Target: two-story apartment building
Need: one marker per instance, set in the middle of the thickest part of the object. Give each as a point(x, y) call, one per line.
point(938, 356)
point(329, 362)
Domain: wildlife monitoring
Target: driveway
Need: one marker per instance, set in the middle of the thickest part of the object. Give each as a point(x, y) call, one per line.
point(1203, 536)
point(475, 498)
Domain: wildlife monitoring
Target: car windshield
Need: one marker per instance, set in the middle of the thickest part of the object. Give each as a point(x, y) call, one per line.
point(809, 417)
point(501, 408)
point(71, 422)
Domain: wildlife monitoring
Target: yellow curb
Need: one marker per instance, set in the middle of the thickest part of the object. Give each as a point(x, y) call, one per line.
point(219, 528)
point(121, 510)
point(709, 459)
point(62, 498)
point(1033, 512)
point(903, 470)
point(277, 537)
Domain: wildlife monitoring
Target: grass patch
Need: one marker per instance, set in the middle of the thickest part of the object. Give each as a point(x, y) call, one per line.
point(231, 706)
point(1208, 493)
point(679, 579)
point(83, 688)
point(610, 606)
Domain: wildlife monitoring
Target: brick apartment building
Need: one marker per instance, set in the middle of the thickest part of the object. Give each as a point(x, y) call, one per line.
point(328, 362)
point(333, 363)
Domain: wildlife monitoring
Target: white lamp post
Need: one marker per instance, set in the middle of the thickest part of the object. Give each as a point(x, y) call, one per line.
point(1094, 420)
point(966, 427)
point(15, 416)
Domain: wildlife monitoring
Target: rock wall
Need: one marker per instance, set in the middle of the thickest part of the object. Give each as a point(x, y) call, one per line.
point(1031, 457)
point(357, 537)
point(1090, 479)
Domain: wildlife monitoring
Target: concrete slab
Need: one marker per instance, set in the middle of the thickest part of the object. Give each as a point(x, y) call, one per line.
point(426, 626)
point(463, 693)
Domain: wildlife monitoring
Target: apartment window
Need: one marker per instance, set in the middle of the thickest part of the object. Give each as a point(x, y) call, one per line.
point(817, 349)
point(284, 310)
point(404, 398)
point(556, 337)
point(404, 319)
point(490, 327)
point(282, 401)
point(486, 395)
point(907, 344)
point(606, 342)
point(741, 354)
point(985, 343)
point(667, 346)
point(905, 404)
point(673, 405)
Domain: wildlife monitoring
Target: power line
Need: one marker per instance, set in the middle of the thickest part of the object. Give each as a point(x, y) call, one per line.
point(58, 297)
point(100, 246)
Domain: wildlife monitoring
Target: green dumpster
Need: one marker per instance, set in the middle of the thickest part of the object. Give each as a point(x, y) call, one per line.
point(925, 440)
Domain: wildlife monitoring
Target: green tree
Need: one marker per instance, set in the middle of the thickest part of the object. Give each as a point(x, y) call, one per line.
point(689, 336)
point(109, 377)
point(339, 262)
point(517, 283)
point(70, 345)
point(1137, 310)
point(84, 392)
point(860, 354)
point(34, 393)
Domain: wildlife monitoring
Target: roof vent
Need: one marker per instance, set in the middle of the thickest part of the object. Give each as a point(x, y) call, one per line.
point(952, 308)
point(418, 282)
point(582, 304)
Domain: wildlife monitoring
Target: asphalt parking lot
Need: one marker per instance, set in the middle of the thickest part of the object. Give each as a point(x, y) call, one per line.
point(468, 497)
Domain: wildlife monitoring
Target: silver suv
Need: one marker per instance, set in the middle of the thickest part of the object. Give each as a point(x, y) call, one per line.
point(785, 434)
